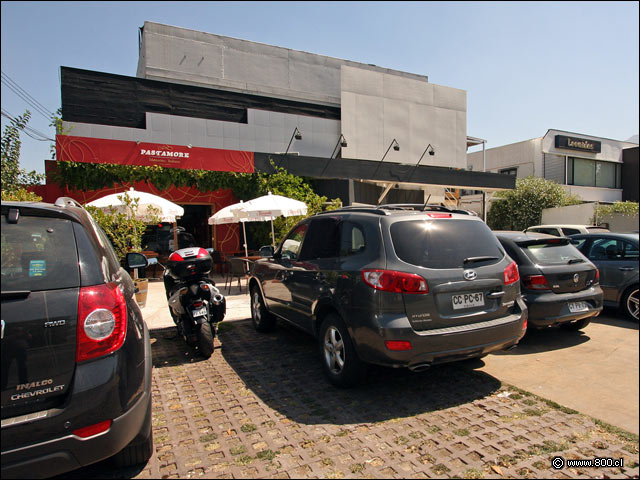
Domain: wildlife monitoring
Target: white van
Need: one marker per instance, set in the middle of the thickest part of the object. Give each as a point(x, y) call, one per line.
point(564, 230)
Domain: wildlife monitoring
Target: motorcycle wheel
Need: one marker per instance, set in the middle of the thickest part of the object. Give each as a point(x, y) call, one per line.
point(205, 340)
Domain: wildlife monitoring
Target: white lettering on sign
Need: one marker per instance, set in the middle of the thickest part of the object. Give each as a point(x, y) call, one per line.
point(163, 153)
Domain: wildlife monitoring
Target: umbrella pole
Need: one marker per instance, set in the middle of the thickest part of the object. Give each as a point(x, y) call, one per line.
point(273, 237)
point(175, 236)
point(244, 234)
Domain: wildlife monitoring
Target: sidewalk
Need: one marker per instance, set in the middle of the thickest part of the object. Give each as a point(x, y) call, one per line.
point(156, 311)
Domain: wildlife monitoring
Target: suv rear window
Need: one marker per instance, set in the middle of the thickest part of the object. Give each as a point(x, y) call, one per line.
point(552, 253)
point(36, 254)
point(444, 243)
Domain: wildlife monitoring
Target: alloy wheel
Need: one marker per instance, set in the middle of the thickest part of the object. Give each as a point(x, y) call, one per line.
point(632, 304)
point(334, 354)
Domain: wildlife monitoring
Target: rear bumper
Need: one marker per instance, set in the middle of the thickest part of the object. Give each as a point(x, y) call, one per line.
point(548, 309)
point(68, 452)
point(442, 345)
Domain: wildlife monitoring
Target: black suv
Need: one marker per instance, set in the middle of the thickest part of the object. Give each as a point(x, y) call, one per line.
point(76, 355)
point(396, 285)
point(559, 284)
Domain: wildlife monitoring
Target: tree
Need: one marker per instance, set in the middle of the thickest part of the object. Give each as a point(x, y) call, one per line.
point(14, 179)
point(288, 185)
point(522, 207)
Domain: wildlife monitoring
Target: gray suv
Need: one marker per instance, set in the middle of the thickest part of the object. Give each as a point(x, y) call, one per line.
point(396, 285)
point(76, 354)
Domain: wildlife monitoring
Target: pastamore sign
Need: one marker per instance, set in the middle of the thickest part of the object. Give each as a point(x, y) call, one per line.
point(573, 143)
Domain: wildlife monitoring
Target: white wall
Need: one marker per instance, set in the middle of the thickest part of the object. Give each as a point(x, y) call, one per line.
point(523, 155)
point(378, 107)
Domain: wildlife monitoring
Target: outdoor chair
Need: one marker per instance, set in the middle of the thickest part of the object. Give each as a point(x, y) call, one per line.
point(237, 268)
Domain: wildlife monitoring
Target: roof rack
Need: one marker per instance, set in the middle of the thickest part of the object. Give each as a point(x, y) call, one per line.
point(66, 202)
point(385, 209)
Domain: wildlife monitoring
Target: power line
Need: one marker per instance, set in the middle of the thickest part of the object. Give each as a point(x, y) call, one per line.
point(28, 130)
point(24, 95)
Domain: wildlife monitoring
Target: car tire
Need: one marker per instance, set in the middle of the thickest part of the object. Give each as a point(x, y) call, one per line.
point(263, 321)
point(340, 361)
point(140, 449)
point(629, 302)
point(205, 340)
point(577, 325)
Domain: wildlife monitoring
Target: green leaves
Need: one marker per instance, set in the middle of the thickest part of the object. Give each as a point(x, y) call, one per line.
point(522, 207)
point(15, 179)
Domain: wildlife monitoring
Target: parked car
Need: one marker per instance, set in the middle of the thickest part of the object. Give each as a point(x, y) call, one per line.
point(616, 256)
point(564, 230)
point(391, 285)
point(559, 285)
point(76, 355)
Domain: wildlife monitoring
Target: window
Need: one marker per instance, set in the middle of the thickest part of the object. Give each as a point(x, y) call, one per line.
point(444, 243)
point(547, 230)
point(39, 253)
point(553, 253)
point(291, 244)
point(594, 173)
point(570, 231)
point(352, 240)
point(322, 239)
point(509, 171)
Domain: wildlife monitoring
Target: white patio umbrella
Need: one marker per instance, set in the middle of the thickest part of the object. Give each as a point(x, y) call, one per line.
point(149, 205)
point(272, 206)
point(232, 214)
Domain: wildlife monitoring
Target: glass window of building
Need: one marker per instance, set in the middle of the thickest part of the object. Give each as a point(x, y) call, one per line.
point(593, 173)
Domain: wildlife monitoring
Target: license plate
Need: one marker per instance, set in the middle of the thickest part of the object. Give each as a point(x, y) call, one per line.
point(200, 312)
point(467, 300)
point(578, 307)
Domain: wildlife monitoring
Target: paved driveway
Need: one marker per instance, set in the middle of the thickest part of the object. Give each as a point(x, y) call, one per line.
point(260, 408)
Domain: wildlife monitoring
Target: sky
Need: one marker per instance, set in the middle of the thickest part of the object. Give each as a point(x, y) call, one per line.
point(527, 67)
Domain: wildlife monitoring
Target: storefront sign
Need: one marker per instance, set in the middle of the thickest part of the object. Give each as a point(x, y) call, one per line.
point(573, 143)
point(98, 150)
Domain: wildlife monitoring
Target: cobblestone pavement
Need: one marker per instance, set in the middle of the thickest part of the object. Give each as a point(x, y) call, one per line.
point(261, 408)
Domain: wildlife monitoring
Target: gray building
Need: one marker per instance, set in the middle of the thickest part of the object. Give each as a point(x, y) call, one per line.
point(593, 168)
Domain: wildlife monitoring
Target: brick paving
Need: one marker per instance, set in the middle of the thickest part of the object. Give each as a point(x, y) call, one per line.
point(261, 408)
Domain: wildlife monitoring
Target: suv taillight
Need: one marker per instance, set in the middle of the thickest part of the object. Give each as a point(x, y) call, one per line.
point(511, 274)
point(536, 282)
point(102, 321)
point(597, 280)
point(393, 281)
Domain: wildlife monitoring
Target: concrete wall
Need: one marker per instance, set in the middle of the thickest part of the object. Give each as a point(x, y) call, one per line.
point(621, 223)
point(523, 155)
point(595, 194)
point(571, 214)
point(378, 107)
point(267, 132)
point(205, 59)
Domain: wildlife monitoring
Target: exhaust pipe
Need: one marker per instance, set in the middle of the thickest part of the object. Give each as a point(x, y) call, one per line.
point(217, 299)
point(419, 367)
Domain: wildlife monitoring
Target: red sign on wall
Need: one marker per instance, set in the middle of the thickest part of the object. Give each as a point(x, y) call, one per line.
point(98, 150)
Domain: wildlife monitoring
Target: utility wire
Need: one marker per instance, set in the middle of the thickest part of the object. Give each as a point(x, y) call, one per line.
point(24, 95)
point(28, 130)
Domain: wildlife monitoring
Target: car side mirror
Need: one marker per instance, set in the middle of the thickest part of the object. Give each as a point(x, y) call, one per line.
point(136, 260)
point(266, 251)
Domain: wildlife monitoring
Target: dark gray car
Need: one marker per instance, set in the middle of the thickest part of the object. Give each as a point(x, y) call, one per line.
point(76, 355)
point(394, 286)
point(616, 256)
point(559, 285)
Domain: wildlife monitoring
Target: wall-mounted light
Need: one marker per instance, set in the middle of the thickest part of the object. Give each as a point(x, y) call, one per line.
point(342, 142)
point(396, 146)
point(297, 134)
point(432, 152)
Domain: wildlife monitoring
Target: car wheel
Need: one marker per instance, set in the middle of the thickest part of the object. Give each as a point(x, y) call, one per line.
point(340, 362)
point(205, 340)
point(263, 321)
point(629, 302)
point(577, 325)
point(140, 449)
